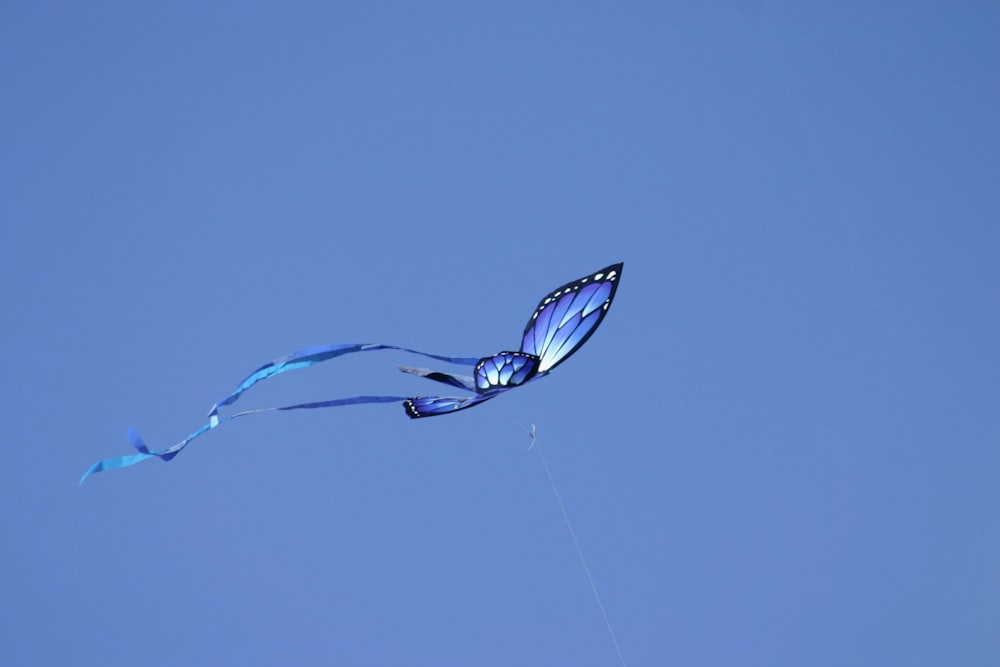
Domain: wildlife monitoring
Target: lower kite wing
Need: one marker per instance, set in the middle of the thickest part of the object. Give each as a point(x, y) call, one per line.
point(432, 406)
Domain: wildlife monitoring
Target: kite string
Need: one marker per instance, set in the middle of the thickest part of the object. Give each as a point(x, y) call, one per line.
point(576, 542)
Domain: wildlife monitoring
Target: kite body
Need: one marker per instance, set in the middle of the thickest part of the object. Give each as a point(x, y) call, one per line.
point(562, 322)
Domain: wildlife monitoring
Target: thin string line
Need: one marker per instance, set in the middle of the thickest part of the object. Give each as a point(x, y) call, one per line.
point(576, 542)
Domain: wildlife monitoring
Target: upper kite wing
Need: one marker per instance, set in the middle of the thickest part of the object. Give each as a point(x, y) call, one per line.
point(568, 316)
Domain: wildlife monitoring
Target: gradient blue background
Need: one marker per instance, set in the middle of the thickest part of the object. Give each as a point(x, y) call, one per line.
point(781, 447)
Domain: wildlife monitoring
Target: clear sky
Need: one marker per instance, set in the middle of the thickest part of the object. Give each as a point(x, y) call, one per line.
point(780, 448)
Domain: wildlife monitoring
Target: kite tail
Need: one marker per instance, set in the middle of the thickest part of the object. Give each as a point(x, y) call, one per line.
point(144, 453)
point(314, 355)
point(294, 361)
point(170, 452)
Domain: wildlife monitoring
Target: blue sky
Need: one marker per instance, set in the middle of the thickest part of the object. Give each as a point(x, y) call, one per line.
point(779, 449)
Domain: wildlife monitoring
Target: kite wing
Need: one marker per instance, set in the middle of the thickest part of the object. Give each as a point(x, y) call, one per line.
point(432, 406)
point(505, 371)
point(568, 316)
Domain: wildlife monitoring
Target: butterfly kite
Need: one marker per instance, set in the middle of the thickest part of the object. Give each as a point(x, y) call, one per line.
point(561, 323)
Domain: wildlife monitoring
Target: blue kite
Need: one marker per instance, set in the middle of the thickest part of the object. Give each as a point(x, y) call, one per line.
point(561, 323)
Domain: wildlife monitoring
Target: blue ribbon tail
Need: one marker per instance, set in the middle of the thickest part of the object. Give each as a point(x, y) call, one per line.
point(460, 381)
point(294, 361)
point(167, 454)
point(315, 355)
point(112, 464)
point(144, 451)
